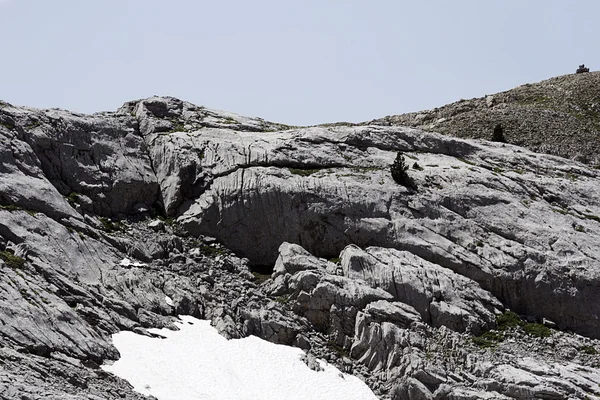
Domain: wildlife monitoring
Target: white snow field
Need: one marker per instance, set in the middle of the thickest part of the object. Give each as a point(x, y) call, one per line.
point(197, 363)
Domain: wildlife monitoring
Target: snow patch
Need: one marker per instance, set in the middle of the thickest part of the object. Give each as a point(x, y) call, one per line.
point(169, 301)
point(198, 363)
point(126, 262)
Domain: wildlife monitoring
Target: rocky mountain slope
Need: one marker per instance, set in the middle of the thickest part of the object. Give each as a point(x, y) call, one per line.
point(481, 282)
point(559, 116)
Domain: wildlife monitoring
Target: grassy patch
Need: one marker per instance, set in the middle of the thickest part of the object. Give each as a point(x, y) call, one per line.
point(260, 278)
point(176, 127)
point(465, 161)
point(230, 121)
point(12, 207)
point(110, 226)
point(72, 198)
point(8, 125)
point(14, 262)
point(508, 320)
point(591, 350)
point(167, 220)
point(304, 171)
point(335, 260)
point(211, 251)
point(283, 299)
point(592, 217)
point(537, 330)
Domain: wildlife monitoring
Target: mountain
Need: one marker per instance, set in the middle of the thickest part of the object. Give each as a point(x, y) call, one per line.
point(559, 116)
point(480, 279)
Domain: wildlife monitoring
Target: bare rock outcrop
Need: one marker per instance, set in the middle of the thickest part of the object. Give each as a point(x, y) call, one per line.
point(122, 221)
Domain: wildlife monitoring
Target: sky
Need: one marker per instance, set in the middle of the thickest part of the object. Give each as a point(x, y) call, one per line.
point(196, 363)
point(298, 63)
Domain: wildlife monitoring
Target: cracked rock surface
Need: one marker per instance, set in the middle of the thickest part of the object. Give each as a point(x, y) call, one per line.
point(480, 282)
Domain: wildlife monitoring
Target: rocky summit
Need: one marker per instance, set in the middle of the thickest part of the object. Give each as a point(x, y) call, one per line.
point(479, 280)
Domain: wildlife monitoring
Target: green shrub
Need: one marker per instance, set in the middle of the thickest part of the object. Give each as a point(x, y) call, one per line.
point(498, 135)
point(537, 330)
point(211, 251)
point(110, 226)
point(591, 350)
point(507, 320)
point(260, 278)
point(399, 174)
point(11, 260)
point(283, 299)
point(483, 342)
point(488, 339)
point(72, 198)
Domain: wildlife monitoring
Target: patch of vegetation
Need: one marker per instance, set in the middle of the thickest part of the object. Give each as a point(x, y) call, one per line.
point(365, 169)
point(579, 228)
point(230, 121)
point(335, 260)
point(498, 170)
point(260, 278)
point(110, 226)
point(508, 320)
point(488, 339)
point(72, 198)
point(571, 177)
point(211, 251)
point(498, 134)
point(591, 350)
point(8, 125)
point(176, 127)
point(12, 261)
point(465, 161)
point(304, 171)
point(341, 352)
point(592, 217)
point(283, 299)
point(399, 172)
point(537, 330)
point(12, 207)
point(167, 220)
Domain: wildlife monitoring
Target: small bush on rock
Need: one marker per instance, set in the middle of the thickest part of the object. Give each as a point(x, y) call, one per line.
point(507, 320)
point(498, 135)
point(537, 330)
point(11, 260)
point(399, 174)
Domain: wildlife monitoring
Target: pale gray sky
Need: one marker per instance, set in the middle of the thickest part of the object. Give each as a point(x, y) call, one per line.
point(296, 62)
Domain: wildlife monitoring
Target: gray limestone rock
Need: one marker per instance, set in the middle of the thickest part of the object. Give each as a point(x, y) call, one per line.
point(489, 226)
point(442, 297)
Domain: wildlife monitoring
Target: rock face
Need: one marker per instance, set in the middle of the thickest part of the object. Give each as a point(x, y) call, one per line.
point(125, 220)
point(442, 297)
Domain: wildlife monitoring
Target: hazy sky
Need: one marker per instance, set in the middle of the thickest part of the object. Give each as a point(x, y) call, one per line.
point(296, 62)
